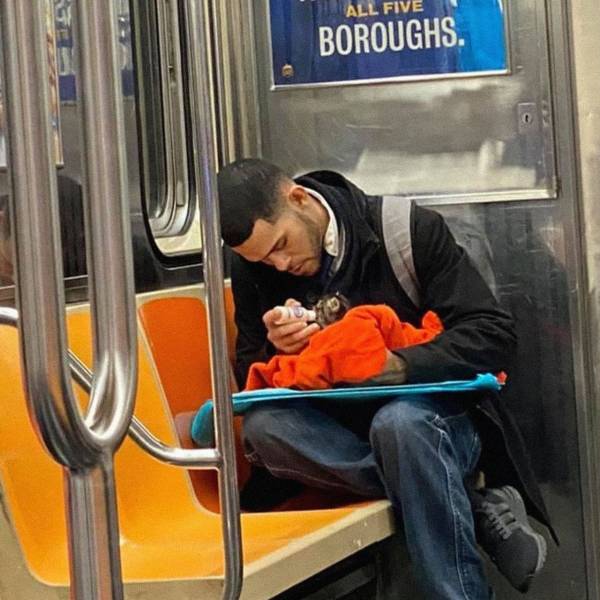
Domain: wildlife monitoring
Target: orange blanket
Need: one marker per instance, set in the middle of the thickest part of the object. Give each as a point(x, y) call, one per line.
point(352, 350)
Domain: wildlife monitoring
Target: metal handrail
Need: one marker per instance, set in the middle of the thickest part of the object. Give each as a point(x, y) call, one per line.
point(110, 257)
point(84, 446)
point(175, 215)
point(203, 136)
point(189, 458)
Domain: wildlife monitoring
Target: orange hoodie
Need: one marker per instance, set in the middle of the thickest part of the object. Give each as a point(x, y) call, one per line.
point(352, 350)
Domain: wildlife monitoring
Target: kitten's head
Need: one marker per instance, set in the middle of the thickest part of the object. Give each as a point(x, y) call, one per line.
point(331, 308)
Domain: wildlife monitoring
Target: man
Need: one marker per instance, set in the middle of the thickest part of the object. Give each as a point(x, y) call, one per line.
point(71, 231)
point(294, 240)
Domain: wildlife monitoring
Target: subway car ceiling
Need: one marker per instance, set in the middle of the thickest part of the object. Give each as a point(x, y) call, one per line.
point(505, 144)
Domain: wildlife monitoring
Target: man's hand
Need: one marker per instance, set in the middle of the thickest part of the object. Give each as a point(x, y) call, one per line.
point(290, 337)
point(394, 372)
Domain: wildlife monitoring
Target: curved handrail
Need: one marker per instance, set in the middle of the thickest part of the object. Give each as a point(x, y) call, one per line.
point(189, 458)
point(84, 446)
point(176, 214)
point(203, 136)
point(38, 257)
point(110, 261)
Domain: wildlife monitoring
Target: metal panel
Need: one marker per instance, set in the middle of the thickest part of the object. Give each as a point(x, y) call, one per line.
point(584, 16)
point(534, 274)
point(389, 138)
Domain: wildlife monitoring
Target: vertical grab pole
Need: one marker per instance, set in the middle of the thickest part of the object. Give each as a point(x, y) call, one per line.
point(106, 196)
point(203, 136)
point(112, 295)
point(85, 449)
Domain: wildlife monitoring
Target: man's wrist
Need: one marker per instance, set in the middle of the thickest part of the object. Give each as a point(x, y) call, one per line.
point(395, 366)
point(395, 371)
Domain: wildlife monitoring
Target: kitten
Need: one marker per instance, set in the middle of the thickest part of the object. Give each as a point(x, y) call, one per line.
point(331, 308)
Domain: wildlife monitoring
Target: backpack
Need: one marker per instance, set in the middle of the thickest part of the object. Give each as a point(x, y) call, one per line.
point(397, 238)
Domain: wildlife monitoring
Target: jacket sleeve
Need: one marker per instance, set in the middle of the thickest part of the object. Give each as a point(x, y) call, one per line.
point(251, 342)
point(479, 335)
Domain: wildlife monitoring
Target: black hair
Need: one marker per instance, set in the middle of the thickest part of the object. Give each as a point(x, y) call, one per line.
point(249, 189)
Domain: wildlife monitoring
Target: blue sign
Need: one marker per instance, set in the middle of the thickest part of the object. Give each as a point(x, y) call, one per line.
point(344, 41)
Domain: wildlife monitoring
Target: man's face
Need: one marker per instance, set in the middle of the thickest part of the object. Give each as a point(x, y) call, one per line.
point(292, 243)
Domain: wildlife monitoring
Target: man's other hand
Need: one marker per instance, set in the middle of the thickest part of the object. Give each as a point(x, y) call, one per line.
point(394, 372)
point(290, 337)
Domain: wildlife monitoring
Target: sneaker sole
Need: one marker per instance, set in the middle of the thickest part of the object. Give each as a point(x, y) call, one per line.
point(542, 552)
point(518, 508)
point(542, 547)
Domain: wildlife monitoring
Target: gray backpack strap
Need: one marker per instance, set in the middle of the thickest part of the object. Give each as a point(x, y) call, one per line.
point(395, 223)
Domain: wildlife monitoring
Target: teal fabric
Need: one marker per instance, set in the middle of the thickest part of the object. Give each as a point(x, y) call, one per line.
point(202, 426)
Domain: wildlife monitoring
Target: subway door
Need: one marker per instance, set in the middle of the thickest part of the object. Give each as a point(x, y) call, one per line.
point(466, 106)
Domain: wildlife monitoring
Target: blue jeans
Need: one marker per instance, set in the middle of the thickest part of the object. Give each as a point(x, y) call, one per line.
point(416, 452)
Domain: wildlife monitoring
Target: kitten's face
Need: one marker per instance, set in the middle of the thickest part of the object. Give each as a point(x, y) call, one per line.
point(331, 308)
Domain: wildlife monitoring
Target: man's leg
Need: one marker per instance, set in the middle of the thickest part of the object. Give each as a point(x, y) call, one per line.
point(425, 449)
point(307, 445)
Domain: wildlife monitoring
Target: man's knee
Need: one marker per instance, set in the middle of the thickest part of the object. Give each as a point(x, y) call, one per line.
point(259, 433)
point(267, 425)
point(400, 423)
point(258, 423)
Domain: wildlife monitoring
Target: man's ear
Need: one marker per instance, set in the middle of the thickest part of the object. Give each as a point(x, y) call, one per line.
point(297, 197)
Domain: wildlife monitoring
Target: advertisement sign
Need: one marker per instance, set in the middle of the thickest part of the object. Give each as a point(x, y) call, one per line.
point(328, 42)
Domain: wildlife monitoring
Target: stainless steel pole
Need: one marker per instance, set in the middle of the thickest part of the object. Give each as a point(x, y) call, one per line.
point(106, 197)
point(203, 136)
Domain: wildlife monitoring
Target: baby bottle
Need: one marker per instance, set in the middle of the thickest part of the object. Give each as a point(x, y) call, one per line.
point(294, 313)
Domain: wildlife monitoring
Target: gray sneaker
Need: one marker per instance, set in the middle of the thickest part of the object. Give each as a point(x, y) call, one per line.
point(504, 532)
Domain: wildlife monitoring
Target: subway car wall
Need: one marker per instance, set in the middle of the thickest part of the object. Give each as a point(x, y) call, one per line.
point(495, 152)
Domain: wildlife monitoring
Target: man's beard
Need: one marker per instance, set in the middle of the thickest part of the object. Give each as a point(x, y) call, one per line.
point(315, 238)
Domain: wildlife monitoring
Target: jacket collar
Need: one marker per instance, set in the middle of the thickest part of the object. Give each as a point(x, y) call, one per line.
point(350, 207)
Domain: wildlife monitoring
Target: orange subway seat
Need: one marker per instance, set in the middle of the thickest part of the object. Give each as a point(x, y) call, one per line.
point(176, 331)
point(165, 533)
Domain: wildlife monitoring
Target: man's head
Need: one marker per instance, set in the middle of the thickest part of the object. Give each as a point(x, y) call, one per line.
point(266, 217)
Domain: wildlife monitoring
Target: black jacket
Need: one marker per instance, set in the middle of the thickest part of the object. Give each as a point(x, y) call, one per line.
point(478, 336)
